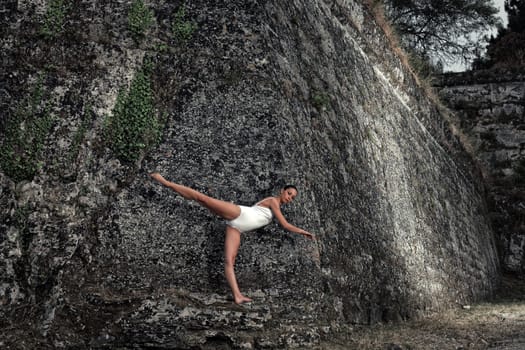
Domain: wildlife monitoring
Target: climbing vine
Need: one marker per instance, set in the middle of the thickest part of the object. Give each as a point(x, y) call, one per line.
point(133, 127)
point(21, 152)
point(182, 29)
point(140, 18)
point(321, 101)
point(54, 18)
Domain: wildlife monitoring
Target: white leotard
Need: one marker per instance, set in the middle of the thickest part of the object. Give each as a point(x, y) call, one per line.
point(251, 218)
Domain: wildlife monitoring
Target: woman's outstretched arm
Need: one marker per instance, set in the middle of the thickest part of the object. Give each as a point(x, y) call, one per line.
point(158, 177)
point(274, 206)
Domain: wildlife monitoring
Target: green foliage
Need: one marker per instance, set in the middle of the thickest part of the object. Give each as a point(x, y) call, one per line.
point(162, 48)
point(444, 30)
point(140, 18)
point(424, 67)
point(54, 18)
point(133, 126)
point(181, 28)
point(507, 49)
point(516, 11)
point(20, 217)
point(21, 153)
point(321, 101)
point(499, 53)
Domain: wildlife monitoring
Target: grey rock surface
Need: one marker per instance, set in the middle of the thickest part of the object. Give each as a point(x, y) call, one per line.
point(95, 255)
point(491, 109)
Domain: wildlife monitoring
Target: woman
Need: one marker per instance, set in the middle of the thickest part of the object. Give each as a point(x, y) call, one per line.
point(240, 219)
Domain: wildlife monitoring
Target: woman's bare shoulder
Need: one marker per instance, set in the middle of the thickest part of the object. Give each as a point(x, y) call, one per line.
point(268, 202)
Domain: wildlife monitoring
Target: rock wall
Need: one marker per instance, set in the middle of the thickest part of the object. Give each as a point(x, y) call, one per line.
point(491, 109)
point(263, 93)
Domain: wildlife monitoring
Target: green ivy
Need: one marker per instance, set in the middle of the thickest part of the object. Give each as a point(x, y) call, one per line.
point(54, 18)
point(162, 48)
point(133, 126)
point(140, 18)
point(182, 29)
point(21, 153)
point(321, 101)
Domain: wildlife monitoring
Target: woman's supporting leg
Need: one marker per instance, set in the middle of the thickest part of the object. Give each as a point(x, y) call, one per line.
point(225, 210)
point(232, 242)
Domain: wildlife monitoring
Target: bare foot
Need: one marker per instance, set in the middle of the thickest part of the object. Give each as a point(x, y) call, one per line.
point(242, 299)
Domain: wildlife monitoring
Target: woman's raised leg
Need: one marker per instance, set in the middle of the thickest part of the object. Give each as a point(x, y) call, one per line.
point(232, 242)
point(226, 210)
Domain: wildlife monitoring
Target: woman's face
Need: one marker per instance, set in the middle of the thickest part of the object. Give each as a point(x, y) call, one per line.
point(288, 195)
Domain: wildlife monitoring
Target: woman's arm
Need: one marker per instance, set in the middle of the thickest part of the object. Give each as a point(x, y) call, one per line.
point(158, 177)
point(274, 206)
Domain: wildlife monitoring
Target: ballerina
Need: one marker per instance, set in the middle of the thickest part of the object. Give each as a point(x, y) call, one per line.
point(240, 219)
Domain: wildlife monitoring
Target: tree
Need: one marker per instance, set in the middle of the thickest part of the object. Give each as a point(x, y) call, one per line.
point(445, 30)
point(507, 49)
point(516, 11)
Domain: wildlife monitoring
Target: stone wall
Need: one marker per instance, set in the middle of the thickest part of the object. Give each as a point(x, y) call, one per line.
point(262, 94)
point(491, 109)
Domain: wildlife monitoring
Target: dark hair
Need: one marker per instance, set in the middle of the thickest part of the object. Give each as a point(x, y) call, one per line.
point(290, 186)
